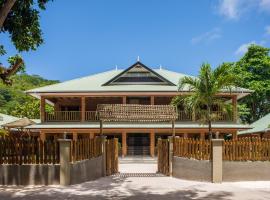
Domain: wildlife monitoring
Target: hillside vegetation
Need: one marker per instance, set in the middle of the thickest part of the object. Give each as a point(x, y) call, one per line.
point(13, 99)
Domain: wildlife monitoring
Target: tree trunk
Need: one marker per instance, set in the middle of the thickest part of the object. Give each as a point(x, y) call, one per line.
point(8, 4)
point(210, 129)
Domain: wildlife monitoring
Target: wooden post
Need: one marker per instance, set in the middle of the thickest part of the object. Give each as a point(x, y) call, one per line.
point(75, 136)
point(234, 105)
point(124, 143)
point(42, 108)
point(82, 109)
point(91, 135)
point(124, 100)
point(152, 143)
point(42, 136)
point(234, 135)
point(152, 99)
point(202, 135)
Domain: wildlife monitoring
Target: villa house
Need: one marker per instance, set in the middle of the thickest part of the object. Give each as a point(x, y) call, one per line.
point(75, 103)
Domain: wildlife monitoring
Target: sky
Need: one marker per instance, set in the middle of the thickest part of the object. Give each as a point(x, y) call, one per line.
point(90, 36)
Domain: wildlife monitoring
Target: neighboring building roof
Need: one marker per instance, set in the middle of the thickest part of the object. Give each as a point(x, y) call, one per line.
point(95, 83)
point(96, 125)
point(4, 119)
point(20, 123)
point(261, 125)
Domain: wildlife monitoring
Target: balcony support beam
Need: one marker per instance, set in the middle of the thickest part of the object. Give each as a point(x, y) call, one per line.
point(124, 100)
point(152, 143)
point(124, 143)
point(152, 99)
point(42, 108)
point(82, 109)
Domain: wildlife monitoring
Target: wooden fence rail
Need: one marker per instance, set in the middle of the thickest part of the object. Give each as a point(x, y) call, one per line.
point(192, 148)
point(86, 148)
point(28, 151)
point(247, 149)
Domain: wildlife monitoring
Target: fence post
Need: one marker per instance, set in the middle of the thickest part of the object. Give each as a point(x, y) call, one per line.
point(103, 147)
point(171, 140)
point(65, 146)
point(217, 145)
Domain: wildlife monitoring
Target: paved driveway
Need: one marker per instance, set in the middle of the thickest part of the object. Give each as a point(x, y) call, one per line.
point(144, 185)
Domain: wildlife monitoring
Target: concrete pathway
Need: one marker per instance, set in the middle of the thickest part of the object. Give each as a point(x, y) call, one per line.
point(140, 186)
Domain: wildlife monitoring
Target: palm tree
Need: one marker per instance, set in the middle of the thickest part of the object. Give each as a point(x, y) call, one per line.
point(205, 89)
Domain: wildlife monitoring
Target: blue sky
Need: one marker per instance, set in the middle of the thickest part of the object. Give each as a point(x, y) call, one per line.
point(85, 37)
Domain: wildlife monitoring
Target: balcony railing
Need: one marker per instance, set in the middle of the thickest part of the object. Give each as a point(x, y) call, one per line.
point(76, 116)
point(91, 116)
point(69, 116)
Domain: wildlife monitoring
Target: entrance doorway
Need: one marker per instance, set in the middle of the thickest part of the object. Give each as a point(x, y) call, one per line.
point(138, 144)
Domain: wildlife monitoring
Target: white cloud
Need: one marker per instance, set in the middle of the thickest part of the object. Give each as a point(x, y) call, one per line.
point(229, 8)
point(233, 9)
point(243, 48)
point(208, 36)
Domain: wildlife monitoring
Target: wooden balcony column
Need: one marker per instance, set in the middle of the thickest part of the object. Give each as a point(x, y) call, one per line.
point(124, 143)
point(124, 100)
point(234, 108)
point(75, 136)
point(152, 143)
point(202, 135)
point(82, 109)
point(42, 108)
point(152, 100)
point(42, 136)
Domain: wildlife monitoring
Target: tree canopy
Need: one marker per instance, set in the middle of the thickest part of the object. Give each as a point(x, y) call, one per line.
point(14, 101)
point(204, 92)
point(20, 19)
point(253, 70)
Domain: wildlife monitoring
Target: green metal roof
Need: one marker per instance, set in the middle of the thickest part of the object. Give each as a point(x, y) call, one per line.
point(96, 125)
point(260, 125)
point(95, 83)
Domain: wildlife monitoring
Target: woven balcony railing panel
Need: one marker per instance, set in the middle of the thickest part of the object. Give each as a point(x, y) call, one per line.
point(136, 113)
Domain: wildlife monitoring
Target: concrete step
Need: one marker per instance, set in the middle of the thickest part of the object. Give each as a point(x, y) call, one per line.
point(137, 159)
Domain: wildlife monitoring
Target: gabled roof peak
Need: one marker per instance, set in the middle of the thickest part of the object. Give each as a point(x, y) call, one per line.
point(138, 73)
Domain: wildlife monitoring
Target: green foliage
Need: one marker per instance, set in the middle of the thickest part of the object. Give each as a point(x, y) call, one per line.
point(204, 92)
point(3, 132)
point(22, 24)
point(23, 27)
point(13, 99)
point(254, 73)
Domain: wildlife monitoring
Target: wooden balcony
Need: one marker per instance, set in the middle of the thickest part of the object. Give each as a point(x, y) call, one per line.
point(92, 116)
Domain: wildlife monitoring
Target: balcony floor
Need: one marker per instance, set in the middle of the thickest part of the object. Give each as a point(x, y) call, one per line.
point(129, 125)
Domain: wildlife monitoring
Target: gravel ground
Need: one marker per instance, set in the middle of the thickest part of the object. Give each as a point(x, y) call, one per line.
point(138, 181)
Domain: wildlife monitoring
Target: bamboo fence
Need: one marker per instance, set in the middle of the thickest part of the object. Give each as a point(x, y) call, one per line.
point(86, 148)
point(192, 148)
point(28, 151)
point(247, 149)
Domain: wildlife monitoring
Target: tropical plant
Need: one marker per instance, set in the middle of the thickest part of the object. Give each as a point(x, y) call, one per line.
point(205, 89)
point(253, 70)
